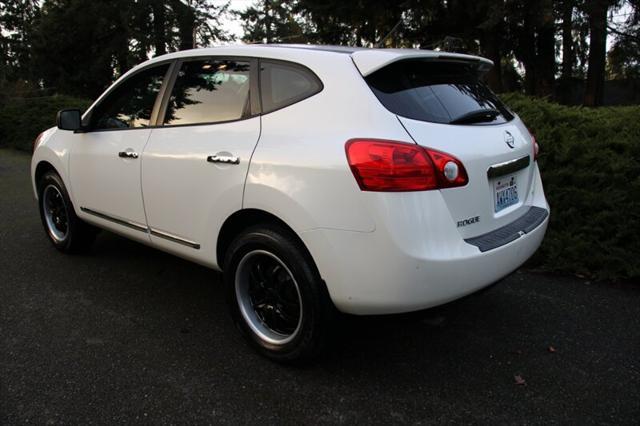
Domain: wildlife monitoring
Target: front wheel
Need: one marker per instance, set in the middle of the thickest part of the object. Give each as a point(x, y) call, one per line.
point(276, 296)
point(65, 230)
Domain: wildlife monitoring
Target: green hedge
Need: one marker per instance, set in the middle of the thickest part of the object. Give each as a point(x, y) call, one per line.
point(22, 119)
point(590, 165)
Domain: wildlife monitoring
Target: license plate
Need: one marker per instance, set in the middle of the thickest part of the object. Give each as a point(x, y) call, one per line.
point(506, 190)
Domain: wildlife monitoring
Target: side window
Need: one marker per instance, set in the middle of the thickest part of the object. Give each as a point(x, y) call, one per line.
point(283, 84)
point(209, 91)
point(131, 103)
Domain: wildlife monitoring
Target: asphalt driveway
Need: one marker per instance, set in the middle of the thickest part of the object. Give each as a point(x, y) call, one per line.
point(128, 333)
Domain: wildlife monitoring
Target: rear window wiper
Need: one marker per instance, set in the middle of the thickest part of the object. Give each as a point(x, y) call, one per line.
point(477, 116)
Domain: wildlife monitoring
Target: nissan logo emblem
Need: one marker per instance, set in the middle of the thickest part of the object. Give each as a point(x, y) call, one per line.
point(509, 140)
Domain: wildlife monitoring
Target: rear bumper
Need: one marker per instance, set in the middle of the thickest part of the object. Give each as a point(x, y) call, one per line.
point(414, 263)
point(379, 280)
point(527, 223)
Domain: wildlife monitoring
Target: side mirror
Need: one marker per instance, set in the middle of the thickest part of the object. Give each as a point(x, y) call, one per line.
point(69, 119)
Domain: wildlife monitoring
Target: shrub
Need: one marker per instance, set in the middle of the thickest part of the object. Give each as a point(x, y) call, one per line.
point(590, 165)
point(22, 119)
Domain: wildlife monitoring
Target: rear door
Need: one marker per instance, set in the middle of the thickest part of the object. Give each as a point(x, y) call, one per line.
point(195, 163)
point(443, 105)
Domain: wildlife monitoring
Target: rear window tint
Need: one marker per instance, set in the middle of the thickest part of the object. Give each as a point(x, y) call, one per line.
point(283, 84)
point(435, 91)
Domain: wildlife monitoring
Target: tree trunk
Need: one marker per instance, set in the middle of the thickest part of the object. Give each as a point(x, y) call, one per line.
point(159, 24)
point(3, 61)
point(568, 53)
point(186, 18)
point(490, 32)
point(546, 57)
point(567, 40)
point(490, 45)
point(267, 21)
point(594, 92)
point(527, 46)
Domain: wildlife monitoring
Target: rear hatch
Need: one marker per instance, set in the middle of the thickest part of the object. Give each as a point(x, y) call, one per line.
point(443, 104)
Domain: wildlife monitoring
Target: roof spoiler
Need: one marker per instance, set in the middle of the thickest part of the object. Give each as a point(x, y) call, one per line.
point(368, 61)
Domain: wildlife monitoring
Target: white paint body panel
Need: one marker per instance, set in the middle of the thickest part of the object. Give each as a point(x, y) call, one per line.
point(377, 252)
point(106, 183)
point(187, 196)
point(299, 170)
point(478, 147)
point(371, 60)
point(415, 259)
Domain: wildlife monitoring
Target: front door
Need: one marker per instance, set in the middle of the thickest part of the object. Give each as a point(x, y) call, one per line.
point(105, 161)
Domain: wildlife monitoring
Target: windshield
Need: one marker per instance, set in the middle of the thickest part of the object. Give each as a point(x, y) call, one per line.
point(438, 92)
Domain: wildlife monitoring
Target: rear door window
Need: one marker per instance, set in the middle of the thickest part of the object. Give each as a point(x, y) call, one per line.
point(209, 91)
point(438, 92)
point(283, 84)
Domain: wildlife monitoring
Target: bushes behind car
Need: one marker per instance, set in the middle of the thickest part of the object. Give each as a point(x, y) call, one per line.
point(590, 164)
point(22, 119)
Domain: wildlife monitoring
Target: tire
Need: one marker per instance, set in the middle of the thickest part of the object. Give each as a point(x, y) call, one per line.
point(65, 230)
point(276, 296)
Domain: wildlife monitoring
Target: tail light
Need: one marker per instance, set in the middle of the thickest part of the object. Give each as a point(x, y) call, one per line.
point(536, 146)
point(390, 166)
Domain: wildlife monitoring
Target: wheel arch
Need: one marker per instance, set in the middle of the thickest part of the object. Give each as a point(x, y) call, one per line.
point(43, 167)
point(245, 218)
point(51, 154)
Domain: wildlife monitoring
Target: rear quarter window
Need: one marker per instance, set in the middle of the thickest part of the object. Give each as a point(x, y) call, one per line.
point(435, 91)
point(283, 84)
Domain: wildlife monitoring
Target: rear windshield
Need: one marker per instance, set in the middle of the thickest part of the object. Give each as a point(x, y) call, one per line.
point(438, 92)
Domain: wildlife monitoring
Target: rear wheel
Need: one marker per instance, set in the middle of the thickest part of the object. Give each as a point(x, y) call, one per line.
point(65, 230)
point(276, 296)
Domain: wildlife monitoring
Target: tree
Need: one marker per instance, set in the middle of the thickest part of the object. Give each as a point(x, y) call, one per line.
point(89, 37)
point(566, 11)
point(597, 12)
point(273, 21)
point(197, 23)
point(545, 49)
point(159, 19)
point(179, 25)
point(362, 23)
point(491, 45)
point(568, 53)
point(623, 59)
point(531, 37)
point(16, 17)
point(97, 41)
point(494, 29)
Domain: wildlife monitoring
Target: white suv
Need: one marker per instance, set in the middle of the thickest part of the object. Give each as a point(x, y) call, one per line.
point(319, 179)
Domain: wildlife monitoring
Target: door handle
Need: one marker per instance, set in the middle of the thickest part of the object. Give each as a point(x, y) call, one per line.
point(226, 159)
point(127, 154)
